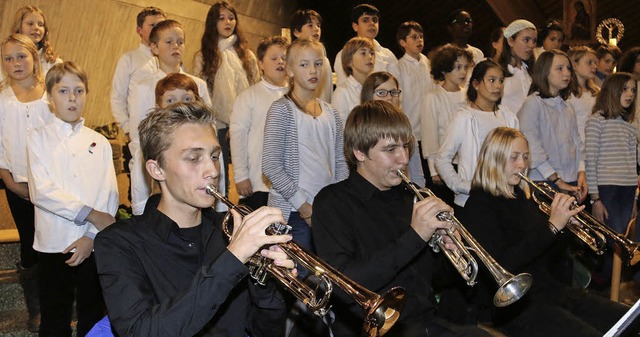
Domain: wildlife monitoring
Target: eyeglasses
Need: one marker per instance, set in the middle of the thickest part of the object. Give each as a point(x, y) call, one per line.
point(384, 92)
point(466, 21)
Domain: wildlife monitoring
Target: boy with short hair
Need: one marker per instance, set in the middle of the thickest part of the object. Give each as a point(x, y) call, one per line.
point(358, 58)
point(170, 271)
point(460, 28)
point(369, 226)
point(364, 21)
point(414, 70)
point(248, 118)
point(129, 62)
point(166, 42)
point(608, 57)
point(72, 183)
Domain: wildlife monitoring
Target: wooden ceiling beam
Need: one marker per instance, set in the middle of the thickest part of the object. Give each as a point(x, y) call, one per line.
point(510, 10)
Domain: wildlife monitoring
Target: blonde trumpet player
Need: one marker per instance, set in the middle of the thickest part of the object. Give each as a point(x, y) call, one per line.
point(368, 227)
point(170, 271)
point(508, 224)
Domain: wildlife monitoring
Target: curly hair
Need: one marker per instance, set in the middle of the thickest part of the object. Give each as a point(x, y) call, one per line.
point(44, 45)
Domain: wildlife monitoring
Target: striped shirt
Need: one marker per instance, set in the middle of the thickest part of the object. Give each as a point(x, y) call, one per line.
point(611, 152)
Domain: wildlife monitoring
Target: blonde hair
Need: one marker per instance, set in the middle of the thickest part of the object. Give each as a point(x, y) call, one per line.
point(47, 51)
point(490, 174)
point(293, 54)
point(57, 72)
point(26, 43)
point(575, 55)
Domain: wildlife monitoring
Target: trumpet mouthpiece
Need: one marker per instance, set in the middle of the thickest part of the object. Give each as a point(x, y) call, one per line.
point(211, 190)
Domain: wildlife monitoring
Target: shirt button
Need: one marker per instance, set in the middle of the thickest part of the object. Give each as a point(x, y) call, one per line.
point(191, 244)
point(213, 307)
point(239, 276)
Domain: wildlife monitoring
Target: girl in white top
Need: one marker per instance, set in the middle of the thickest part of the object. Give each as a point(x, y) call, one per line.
point(303, 144)
point(227, 65)
point(583, 89)
point(23, 107)
point(307, 24)
point(30, 21)
point(450, 66)
point(550, 125)
point(249, 117)
point(382, 86)
point(550, 37)
point(517, 60)
point(225, 61)
point(470, 126)
point(358, 59)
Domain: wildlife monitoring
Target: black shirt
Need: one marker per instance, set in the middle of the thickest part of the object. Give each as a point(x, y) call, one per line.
point(366, 234)
point(161, 280)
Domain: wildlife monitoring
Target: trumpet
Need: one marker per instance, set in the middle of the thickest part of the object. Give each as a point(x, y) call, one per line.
point(382, 311)
point(510, 288)
point(588, 229)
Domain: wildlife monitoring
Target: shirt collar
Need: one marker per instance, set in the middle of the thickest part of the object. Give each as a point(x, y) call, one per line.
point(164, 225)
point(410, 58)
point(354, 83)
point(65, 129)
point(367, 191)
point(145, 49)
point(554, 101)
point(274, 87)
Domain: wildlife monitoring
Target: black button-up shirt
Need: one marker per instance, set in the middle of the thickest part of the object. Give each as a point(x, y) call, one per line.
point(161, 280)
point(366, 234)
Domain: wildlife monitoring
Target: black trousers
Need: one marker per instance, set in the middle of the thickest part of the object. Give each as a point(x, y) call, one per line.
point(23, 215)
point(59, 285)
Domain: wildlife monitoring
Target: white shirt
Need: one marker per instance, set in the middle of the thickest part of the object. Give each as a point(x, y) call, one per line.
point(465, 135)
point(516, 88)
point(415, 82)
point(70, 172)
point(384, 60)
point(439, 107)
point(230, 79)
point(316, 151)
point(16, 120)
point(142, 93)
point(583, 107)
point(346, 97)
point(128, 63)
point(246, 132)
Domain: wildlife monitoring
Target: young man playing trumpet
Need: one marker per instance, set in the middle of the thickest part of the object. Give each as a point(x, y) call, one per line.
point(170, 271)
point(369, 228)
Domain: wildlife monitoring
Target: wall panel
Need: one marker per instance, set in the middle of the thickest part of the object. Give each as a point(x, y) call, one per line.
point(94, 33)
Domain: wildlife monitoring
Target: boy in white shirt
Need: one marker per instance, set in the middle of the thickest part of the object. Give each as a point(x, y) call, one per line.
point(166, 41)
point(358, 58)
point(248, 118)
point(129, 62)
point(364, 21)
point(415, 73)
point(72, 183)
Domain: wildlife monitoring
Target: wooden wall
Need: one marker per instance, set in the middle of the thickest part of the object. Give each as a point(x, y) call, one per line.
point(94, 33)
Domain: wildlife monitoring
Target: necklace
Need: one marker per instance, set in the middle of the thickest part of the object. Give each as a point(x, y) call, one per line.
point(314, 113)
point(482, 109)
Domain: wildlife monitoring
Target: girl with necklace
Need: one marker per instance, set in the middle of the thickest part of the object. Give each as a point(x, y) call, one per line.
point(469, 127)
point(303, 144)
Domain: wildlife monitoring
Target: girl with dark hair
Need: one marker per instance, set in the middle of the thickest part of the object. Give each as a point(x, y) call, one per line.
point(517, 59)
point(469, 127)
point(226, 64)
point(550, 37)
